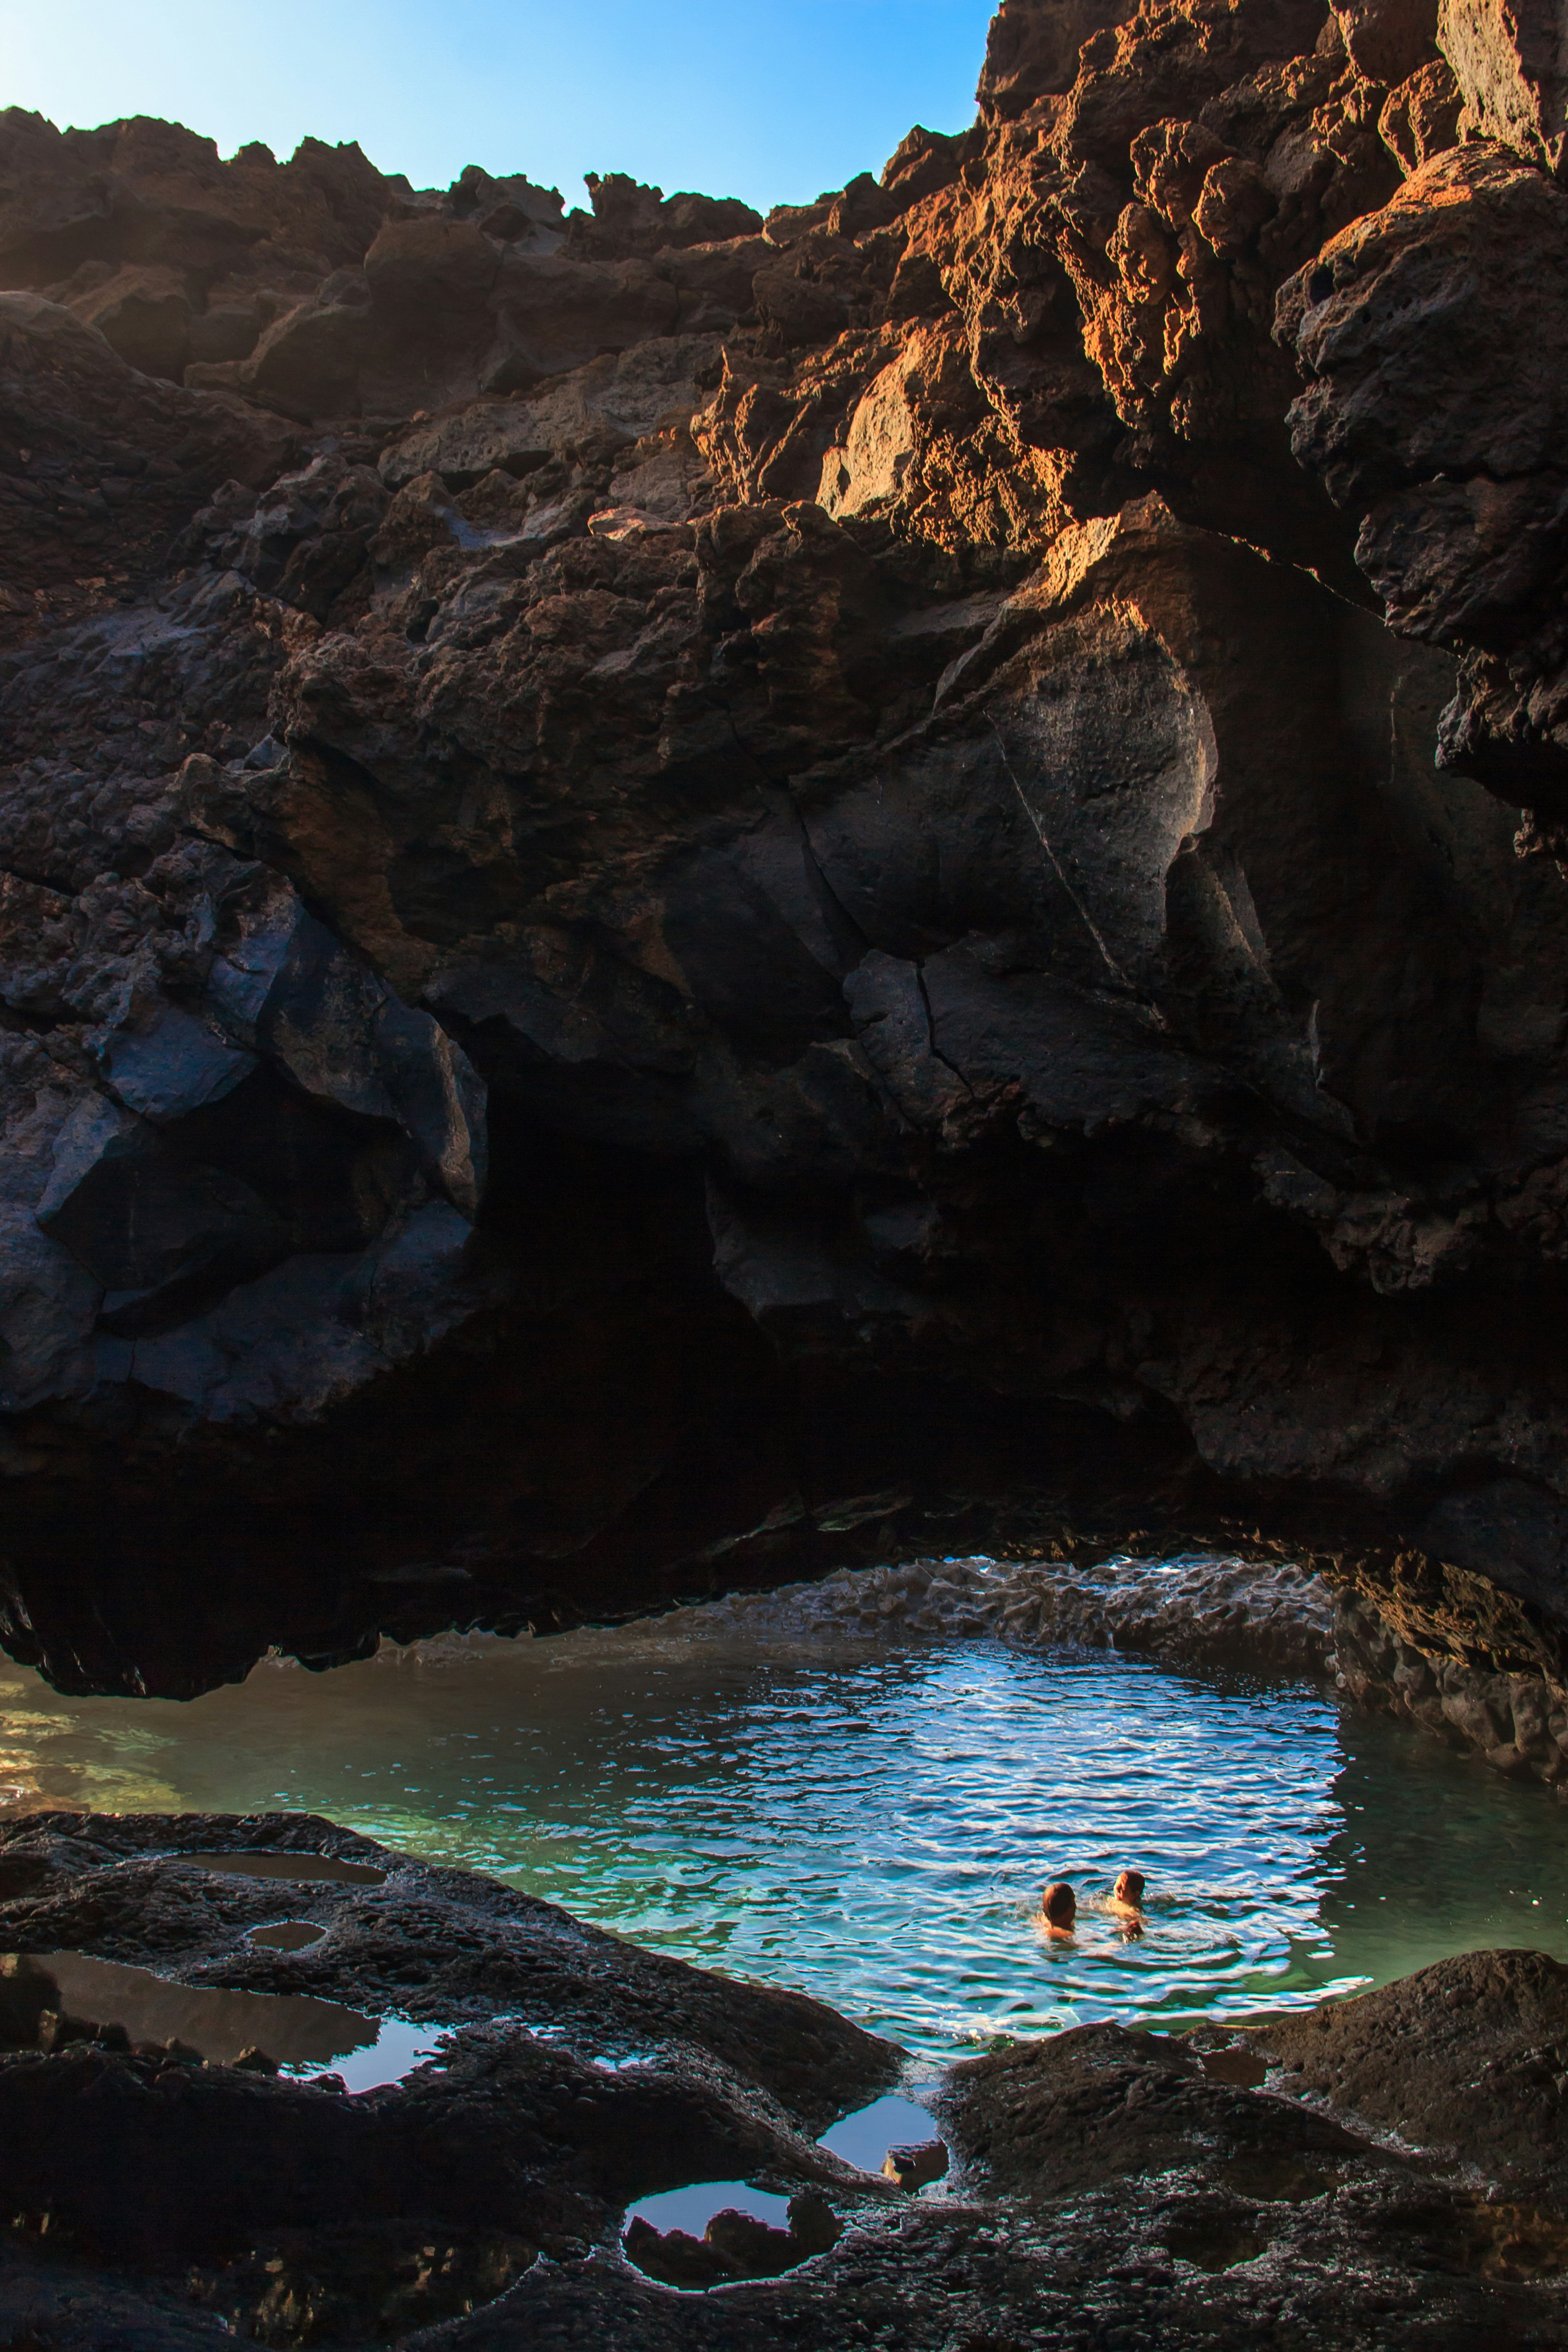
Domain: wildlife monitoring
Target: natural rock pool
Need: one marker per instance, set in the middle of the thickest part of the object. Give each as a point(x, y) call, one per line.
point(771, 1789)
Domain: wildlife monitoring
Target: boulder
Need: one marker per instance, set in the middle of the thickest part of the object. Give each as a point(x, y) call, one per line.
point(1420, 118)
point(174, 1068)
point(553, 315)
point(49, 1304)
point(629, 217)
point(146, 314)
point(225, 333)
point(346, 1041)
point(870, 467)
point(138, 1217)
point(1463, 380)
point(1459, 2056)
point(512, 208)
point(1032, 49)
point(1510, 60)
point(716, 282)
point(479, 439)
point(1432, 336)
point(420, 270)
point(1387, 40)
point(311, 358)
point(799, 309)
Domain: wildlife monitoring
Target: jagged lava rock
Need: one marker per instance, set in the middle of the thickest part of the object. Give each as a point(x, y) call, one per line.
point(1105, 2182)
point(682, 889)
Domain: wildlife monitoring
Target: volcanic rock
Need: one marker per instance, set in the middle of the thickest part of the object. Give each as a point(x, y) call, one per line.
point(1512, 72)
point(1108, 2184)
point(665, 870)
point(1033, 52)
point(1465, 2056)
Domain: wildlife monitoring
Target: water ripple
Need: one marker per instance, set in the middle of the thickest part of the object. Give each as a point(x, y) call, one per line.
point(872, 1823)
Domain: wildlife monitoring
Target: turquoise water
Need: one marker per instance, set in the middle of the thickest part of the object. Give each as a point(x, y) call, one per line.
point(870, 1824)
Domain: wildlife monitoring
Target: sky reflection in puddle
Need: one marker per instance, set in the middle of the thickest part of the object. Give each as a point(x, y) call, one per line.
point(865, 2136)
point(693, 2209)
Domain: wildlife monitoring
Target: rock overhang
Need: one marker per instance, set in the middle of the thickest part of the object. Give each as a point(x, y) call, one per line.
point(852, 732)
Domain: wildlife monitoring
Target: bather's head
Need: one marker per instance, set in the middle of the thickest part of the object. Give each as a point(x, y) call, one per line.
point(1129, 1888)
point(1058, 1904)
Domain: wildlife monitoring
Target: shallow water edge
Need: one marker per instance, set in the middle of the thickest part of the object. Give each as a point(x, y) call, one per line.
point(857, 1788)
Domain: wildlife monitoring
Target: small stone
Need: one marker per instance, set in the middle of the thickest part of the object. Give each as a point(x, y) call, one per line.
point(914, 2165)
point(253, 2060)
point(813, 2223)
point(57, 2030)
point(26, 1990)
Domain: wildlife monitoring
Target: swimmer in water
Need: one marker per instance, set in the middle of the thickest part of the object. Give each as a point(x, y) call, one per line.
point(1125, 1905)
point(1058, 1911)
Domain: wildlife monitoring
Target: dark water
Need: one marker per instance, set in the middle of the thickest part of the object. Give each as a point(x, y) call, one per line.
point(872, 1824)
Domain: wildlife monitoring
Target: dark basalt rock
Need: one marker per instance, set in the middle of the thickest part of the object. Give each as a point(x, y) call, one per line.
point(1467, 2057)
point(1219, 2188)
point(673, 884)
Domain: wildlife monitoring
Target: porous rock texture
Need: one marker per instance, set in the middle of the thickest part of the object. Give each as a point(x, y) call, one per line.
point(684, 892)
point(1293, 2186)
point(1203, 1613)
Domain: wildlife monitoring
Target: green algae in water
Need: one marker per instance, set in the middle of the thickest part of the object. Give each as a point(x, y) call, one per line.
point(869, 1823)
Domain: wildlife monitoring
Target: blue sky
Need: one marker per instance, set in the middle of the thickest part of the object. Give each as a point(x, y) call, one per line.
point(770, 99)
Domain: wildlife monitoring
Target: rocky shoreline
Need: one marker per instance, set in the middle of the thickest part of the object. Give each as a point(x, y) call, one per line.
point(687, 899)
point(1383, 2170)
point(1273, 1618)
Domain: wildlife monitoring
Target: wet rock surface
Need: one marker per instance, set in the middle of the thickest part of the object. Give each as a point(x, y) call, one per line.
point(1295, 2184)
point(1437, 1648)
point(1466, 2058)
point(680, 892)
point(1280, 1619)
point(579, 2073)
